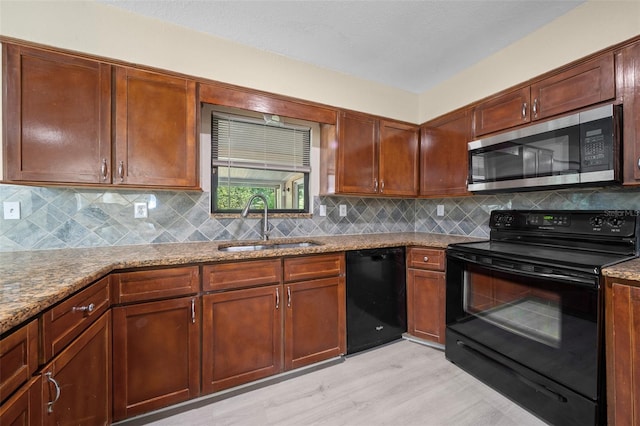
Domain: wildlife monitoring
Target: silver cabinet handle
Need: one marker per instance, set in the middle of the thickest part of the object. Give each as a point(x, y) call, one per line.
point(277, 298)
point(381, 186)
point(121, 171)
point(193, 311)
point(288, 297)
point(375, 185)
point(535, 107)
point(57, 397)
point(524, 110)
point(103, 169)
point(89, 308)
point(639, 163)
point(425, 259)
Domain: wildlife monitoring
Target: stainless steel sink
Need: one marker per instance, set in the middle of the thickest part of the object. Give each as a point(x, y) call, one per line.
point(268, 246)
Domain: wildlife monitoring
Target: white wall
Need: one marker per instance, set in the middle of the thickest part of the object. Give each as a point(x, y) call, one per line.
point(593, 26)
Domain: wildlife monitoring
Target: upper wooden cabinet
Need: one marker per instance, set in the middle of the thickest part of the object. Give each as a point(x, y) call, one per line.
point(585, 84)
point(57, 117)
point(443, 155)
point(155, 133)
point(59, 124)
point(628, 77)
point(368, 156)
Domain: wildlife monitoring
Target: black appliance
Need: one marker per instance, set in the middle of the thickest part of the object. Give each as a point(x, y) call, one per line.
point(376, 297)
point(525, 309)
point(576, 149)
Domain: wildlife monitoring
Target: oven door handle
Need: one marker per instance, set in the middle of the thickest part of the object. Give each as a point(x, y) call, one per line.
point(535, 386)
point(585, 281)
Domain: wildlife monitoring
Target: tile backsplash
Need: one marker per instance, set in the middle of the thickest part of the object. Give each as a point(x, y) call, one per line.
point(71, 217)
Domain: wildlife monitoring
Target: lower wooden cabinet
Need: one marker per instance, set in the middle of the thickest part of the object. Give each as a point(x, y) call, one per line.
point(76, 385)
point(622, 324)
point(315, 321)
point(241, 336)
point(426, 294)
point(156, 353)
point(25, 406)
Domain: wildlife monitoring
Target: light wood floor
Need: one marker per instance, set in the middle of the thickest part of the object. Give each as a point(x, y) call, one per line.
point(403, 383)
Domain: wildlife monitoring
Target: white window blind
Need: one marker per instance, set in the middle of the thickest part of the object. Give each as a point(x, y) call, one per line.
point(244, 142)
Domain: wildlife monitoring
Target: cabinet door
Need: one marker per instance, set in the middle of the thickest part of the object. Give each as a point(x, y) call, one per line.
point(398, 159)
point(18, 357)
point(241, 336)
point(443, 156)
point(629, 77)
point(57, 117)
point(155, 130)
point(77, 383)
point(156, 348)
point(623, 352)
point(315, 323)
point(357, 154)
point(426, 304)
point(502, 111)
point(583, 85)
point(24, 408)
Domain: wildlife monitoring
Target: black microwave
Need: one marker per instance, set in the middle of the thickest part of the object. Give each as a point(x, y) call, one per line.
point(581, 148)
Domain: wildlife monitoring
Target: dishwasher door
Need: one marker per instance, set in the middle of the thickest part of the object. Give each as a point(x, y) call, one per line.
point(376, 297)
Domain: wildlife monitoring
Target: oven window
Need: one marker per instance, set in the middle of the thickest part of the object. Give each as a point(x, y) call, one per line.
point(528, 311)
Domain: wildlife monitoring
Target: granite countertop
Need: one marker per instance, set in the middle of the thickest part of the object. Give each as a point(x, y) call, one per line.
point(629, 270)
point(32, 281)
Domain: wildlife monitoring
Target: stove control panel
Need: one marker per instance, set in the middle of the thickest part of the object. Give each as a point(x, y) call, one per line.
point(603, 222)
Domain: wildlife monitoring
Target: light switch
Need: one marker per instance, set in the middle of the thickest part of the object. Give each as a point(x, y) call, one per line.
point(11, 210)
point(343, 210)
point(323, 210)
point(440, 210)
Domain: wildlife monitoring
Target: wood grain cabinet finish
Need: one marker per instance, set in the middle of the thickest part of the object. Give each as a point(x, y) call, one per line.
point(155, 135)
point(24, 408)
point(231, 275)
point(65, 321)
point(241, 336)
point(70, 395)
point(57, 117)
point(622, 324)
point(628, 77)
point(426, 294)
point(579, 86)
point(444, 155)
point(374, 157)
point(18, 358)
point(155, 284)
point(310, 267)
point(156, 352)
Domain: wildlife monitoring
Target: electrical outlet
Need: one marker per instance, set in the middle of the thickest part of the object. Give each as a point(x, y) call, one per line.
point(11, 210)
point(323, 210)
point(440, 210)
point(140, 210)
point(343, 210)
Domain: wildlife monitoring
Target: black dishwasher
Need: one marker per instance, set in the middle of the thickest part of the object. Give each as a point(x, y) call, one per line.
point(376, 297)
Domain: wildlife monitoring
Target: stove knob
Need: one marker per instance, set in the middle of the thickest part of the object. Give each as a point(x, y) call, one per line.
point(596, 221)
point(616, 221)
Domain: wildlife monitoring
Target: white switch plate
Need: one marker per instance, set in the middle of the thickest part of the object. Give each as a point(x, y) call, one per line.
point(140, 210)
point(323, 210)
point(440, 210)
point(343, 210)
point(11, 210)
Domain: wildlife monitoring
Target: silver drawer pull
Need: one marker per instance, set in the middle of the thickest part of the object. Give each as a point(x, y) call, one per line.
point(89, 308)
point(425, 259)
point(57, 386)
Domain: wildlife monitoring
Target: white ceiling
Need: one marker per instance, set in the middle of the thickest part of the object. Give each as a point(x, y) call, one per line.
point(410, 45)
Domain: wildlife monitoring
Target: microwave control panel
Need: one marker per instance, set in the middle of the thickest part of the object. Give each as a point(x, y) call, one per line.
point(597, 145)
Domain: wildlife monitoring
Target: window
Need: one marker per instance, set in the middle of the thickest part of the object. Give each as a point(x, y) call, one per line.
point(251, 156)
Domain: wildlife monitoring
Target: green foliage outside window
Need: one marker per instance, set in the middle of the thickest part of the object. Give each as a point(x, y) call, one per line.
point(236, 197)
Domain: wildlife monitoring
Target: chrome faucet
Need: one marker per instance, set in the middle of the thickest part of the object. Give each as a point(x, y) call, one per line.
point(265, 220)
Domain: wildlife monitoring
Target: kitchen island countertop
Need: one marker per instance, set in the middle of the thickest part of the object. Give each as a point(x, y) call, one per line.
point(32, 281)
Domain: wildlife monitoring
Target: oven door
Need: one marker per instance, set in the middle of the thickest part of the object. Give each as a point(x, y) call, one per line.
point(546, 322)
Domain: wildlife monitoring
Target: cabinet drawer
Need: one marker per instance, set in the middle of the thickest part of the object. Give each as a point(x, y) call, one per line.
point(222, 276)
point(310, 267)
point(155, 284)
point(18, 357)
point(423, 258)
point(64, 322)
